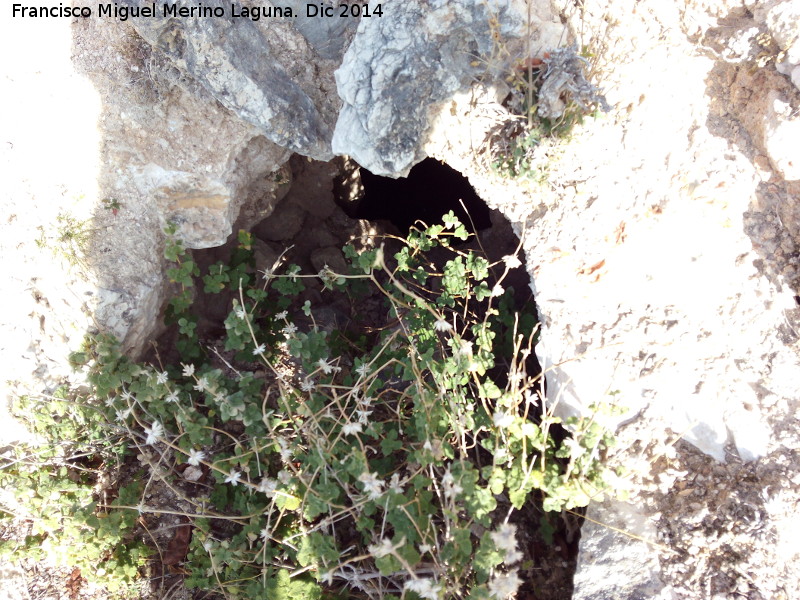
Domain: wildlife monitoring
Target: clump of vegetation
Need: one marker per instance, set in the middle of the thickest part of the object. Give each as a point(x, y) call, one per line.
point(549, 92)
point(548, 97)
point(53, 488)
point(383, 463)
point(67, 238)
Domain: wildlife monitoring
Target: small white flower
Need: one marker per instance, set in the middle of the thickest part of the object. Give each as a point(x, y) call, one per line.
point(110, 401)
point(286, 452)
point(162, 377)
point(442, 325)
point(502, 419)
point(512, 262)
point(307, 385)
point(500, 454)
point(505, 585)
point(126, 395)
point(188, 370)
point(351, 428)
point(195, 456)
point(233, 478)
point(394, 484)
point(575, 448)
point(423, 548)
point(326, 578)
point(362, 370)
point(363, 416)
point(123, 414)
point(451, 488)
point(289, 330)
point(327, 367)
point(155, 431)
point(202, 384)
point(284, 476)
point(265, 534)
point(505, 539)
point(281, 315)
point(208, 545)
point(497, 290)
point(424, 588)
point(239, 312)
point(464, 349)
point(327, 275)
point(372, 485)
point(259, 350)
point(382, 548)
point(172, 397)
point(365, 402)
point(268, 486)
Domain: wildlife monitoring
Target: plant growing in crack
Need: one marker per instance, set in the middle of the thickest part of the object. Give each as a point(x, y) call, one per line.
point(549, 92)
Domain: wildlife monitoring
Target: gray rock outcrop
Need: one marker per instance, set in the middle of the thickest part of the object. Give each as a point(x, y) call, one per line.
point(264, 71)
point(399, 68)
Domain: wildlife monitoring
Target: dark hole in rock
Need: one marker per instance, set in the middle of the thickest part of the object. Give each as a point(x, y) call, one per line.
point(431, 189)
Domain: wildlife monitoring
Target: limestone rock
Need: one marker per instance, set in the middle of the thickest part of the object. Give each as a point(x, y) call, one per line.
point(397, 69)
point(313, 191)
point(14, 583)
point(264, 71)
point(330, 257)
point(267, 258)
point(282, 224)
point(781, 135)
point(782, 18)
point(615, 559)
point(158, 166)
point(329, 37)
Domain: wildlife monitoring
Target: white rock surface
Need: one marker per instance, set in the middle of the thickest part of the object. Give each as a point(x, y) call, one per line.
point(664, 269)
point(782, 18)
point(781, 135)
point(616, 560)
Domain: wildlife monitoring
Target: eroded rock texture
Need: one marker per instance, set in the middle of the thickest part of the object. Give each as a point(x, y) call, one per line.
point(398, 67)
point(265, 72)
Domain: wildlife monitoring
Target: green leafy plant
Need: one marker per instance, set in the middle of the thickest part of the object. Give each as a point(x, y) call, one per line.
point(53, 489)
point(68, 238)
point(306, 464)
point(112, 204)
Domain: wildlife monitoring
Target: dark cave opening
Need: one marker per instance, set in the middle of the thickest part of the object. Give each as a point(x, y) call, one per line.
point(430, 190)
